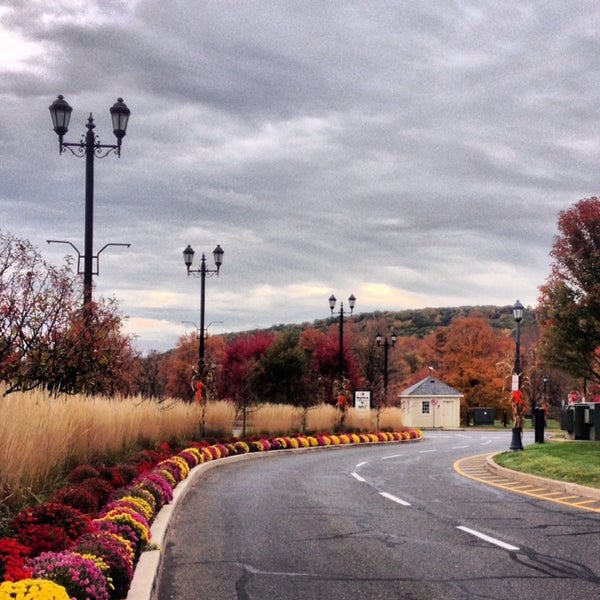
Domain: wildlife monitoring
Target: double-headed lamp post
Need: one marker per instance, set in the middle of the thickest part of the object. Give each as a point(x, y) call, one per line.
point(90, 147)
point(202, 271)
point(351, 304)
point(386, 345)
point(517, 443)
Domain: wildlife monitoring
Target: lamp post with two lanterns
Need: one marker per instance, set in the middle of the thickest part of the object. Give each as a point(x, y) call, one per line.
point(90, 147)
point(351, 304)
point(202, 272)
point(386, 345)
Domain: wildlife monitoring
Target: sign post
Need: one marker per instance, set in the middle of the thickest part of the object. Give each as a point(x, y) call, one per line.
point(362, 400)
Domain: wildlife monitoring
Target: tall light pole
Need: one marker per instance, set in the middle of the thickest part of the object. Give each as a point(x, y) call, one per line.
point(203, 272)
point(517, 442)
point(386, 345)
point(90, 147)
point(351, 304)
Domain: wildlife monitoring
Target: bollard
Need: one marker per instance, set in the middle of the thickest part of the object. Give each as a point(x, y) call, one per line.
point(539, 417)
point(516, 443)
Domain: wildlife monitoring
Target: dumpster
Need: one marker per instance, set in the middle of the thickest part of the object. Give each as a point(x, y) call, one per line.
point(581, 429)
point(484, 416)
point(567, 420)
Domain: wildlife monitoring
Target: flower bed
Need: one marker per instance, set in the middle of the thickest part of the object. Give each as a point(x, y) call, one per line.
point(84, 543)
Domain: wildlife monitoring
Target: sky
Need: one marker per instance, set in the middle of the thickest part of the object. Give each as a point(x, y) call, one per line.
point(412, 153)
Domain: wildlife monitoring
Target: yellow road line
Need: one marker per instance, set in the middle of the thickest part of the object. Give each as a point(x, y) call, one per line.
point(462, 468)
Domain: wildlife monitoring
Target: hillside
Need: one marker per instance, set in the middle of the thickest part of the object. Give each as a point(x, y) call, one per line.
point(415, 322)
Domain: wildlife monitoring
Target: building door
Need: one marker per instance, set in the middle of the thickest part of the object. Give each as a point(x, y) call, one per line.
point(448, 418)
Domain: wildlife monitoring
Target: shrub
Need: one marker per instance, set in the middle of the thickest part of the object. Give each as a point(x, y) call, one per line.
point(128, 518)
point(116, 552)
point(77, 496)
point(32, 589)
point(50, 526)
point(82, 472)
point(12, 560)
point(99, 488)
point(81, 577)
point(158, 486)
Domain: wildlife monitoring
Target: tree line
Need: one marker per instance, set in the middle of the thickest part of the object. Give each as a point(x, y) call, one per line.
point(47, 340)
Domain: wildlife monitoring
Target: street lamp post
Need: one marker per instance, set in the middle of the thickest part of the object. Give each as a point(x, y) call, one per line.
point(386, 345)
point(517, 431)
point(351, 304)
point(90, 147)
point(202, 271)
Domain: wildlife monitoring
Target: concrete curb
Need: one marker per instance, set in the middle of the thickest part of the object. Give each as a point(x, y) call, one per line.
point(559, 486)
point(147, 570)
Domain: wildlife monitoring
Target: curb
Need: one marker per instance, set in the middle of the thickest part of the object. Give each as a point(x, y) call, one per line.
point(553, 484)
point(147, 570)
point(145, 577)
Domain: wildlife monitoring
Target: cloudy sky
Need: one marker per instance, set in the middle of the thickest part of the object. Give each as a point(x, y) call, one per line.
point(414, 153)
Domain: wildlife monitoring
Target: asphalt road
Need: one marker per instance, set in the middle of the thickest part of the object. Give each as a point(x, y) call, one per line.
point(380, 521)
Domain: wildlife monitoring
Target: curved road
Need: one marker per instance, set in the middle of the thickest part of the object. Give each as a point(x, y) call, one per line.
point(380, 521)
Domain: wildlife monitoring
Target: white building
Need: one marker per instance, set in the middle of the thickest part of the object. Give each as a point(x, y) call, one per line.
point(430, 403)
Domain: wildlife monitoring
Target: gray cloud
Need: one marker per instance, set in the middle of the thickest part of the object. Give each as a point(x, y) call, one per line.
point(415, 154)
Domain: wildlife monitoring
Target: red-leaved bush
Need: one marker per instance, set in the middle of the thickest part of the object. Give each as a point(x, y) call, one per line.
point(12, 560)
point(50, 526)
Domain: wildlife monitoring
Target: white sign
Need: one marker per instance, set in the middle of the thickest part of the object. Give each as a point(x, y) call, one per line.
point(362, 400)
point(515, 383)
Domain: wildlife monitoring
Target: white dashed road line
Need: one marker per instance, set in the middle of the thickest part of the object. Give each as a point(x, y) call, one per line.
point(394, 499)
point(487, 538)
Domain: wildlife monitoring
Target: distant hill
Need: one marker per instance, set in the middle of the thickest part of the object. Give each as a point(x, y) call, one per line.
point(418, 322)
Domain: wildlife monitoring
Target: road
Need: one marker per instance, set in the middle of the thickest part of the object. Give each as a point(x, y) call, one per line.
point(377, 521)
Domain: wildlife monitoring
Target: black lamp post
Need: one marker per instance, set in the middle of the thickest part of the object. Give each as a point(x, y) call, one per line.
point(386, 345)
point(90, 147)
point(351, 304)
point(517, 443)
point(202, 272)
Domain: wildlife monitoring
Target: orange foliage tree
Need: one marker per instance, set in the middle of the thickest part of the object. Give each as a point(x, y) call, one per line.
point(468, 355)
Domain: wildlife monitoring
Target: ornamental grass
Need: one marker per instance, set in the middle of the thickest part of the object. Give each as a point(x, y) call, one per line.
point(84, 542)
point(41, 436)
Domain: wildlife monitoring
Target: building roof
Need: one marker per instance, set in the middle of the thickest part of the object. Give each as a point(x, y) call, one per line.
point(429, 386)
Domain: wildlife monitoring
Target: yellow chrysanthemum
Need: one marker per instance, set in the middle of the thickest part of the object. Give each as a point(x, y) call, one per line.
point(32, 589)
point(139, 504)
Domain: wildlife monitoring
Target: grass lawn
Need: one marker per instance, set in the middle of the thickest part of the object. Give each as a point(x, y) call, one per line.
point(576, 462)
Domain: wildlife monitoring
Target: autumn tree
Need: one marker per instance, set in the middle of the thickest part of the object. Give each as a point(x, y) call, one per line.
point(324, 356)
point(466, 355)
point(179, 367)
point(94, 356)
point(569, 306)
point(285, 376)
point(241, 367)
point(46, 338)
point(151, 380)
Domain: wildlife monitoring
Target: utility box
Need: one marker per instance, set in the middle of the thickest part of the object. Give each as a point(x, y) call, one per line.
point(581, 420)
point(581, 430)
point(567, 420)
point(483, 416)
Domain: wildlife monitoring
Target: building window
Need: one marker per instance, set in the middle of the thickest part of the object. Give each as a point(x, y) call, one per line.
point(425, 407)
